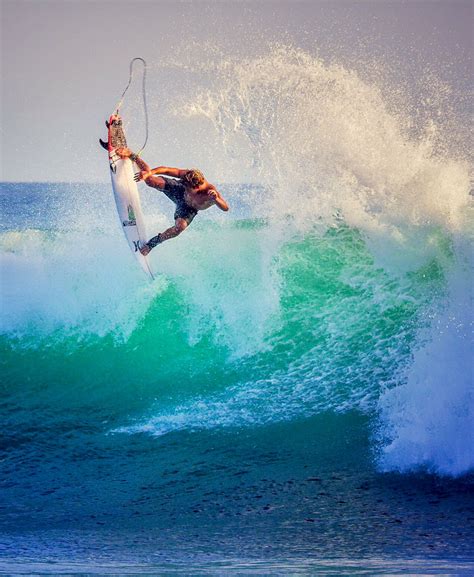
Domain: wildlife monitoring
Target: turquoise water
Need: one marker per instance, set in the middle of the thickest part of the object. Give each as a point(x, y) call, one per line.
point(226, 417)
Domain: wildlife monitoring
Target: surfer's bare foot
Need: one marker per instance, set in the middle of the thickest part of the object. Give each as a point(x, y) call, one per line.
point(145, 249)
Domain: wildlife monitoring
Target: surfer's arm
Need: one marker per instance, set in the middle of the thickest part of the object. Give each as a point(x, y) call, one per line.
point(218, 200)
point(142, 165)
point(168, 171)
point(145, 173)
point(162, 170)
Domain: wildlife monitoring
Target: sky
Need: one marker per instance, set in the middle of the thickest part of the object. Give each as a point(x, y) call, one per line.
point(64, 65)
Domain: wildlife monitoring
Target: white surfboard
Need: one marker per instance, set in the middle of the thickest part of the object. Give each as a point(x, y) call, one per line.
point(126, 194)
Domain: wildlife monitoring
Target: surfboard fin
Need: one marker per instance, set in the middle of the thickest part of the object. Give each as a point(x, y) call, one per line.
point(104, 144)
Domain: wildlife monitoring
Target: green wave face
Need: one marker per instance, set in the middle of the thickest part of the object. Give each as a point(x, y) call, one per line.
point(275, 331)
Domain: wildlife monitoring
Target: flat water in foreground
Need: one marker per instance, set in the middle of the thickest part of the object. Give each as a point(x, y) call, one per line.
point(295, 497)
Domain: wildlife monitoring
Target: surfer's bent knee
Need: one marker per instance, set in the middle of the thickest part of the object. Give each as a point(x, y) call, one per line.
point(180, 225)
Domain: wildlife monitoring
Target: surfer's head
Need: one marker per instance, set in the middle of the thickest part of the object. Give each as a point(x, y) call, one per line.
point(193, 178)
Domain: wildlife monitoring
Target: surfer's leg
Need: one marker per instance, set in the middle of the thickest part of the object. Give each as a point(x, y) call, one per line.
point(179, 226)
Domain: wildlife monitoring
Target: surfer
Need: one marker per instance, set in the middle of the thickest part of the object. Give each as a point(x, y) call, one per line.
point(188, 189)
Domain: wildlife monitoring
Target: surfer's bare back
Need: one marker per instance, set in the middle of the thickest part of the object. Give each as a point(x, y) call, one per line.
point(191, 193)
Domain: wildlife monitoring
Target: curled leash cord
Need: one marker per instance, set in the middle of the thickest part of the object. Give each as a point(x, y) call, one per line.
point(145, 106)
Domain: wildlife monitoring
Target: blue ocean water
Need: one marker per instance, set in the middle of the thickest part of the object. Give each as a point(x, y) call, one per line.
point(152, 426)
point(292, 394)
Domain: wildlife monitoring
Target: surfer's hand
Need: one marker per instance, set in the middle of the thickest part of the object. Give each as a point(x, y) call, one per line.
point(123, 152)
point(212, 194)
point(142, 175)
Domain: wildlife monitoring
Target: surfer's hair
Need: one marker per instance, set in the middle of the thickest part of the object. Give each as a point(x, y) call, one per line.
point(193, 178)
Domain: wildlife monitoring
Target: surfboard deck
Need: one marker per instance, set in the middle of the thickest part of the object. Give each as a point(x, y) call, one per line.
point(127, 198)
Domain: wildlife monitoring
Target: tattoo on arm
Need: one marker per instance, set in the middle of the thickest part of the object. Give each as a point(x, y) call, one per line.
point(142, 165)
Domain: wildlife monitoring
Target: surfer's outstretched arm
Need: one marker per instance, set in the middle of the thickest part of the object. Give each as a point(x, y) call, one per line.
point(146, 172)
point(168, 171)
point(142, 165)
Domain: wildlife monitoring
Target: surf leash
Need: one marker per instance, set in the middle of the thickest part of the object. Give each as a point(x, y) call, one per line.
point(145, 106)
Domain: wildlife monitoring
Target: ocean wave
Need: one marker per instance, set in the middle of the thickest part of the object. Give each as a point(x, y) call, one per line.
point(346, 287)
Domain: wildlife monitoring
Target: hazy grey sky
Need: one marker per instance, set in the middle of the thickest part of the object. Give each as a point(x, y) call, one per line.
point(64, 65)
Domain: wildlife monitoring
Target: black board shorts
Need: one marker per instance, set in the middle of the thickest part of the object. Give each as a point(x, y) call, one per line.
point(174, 190)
